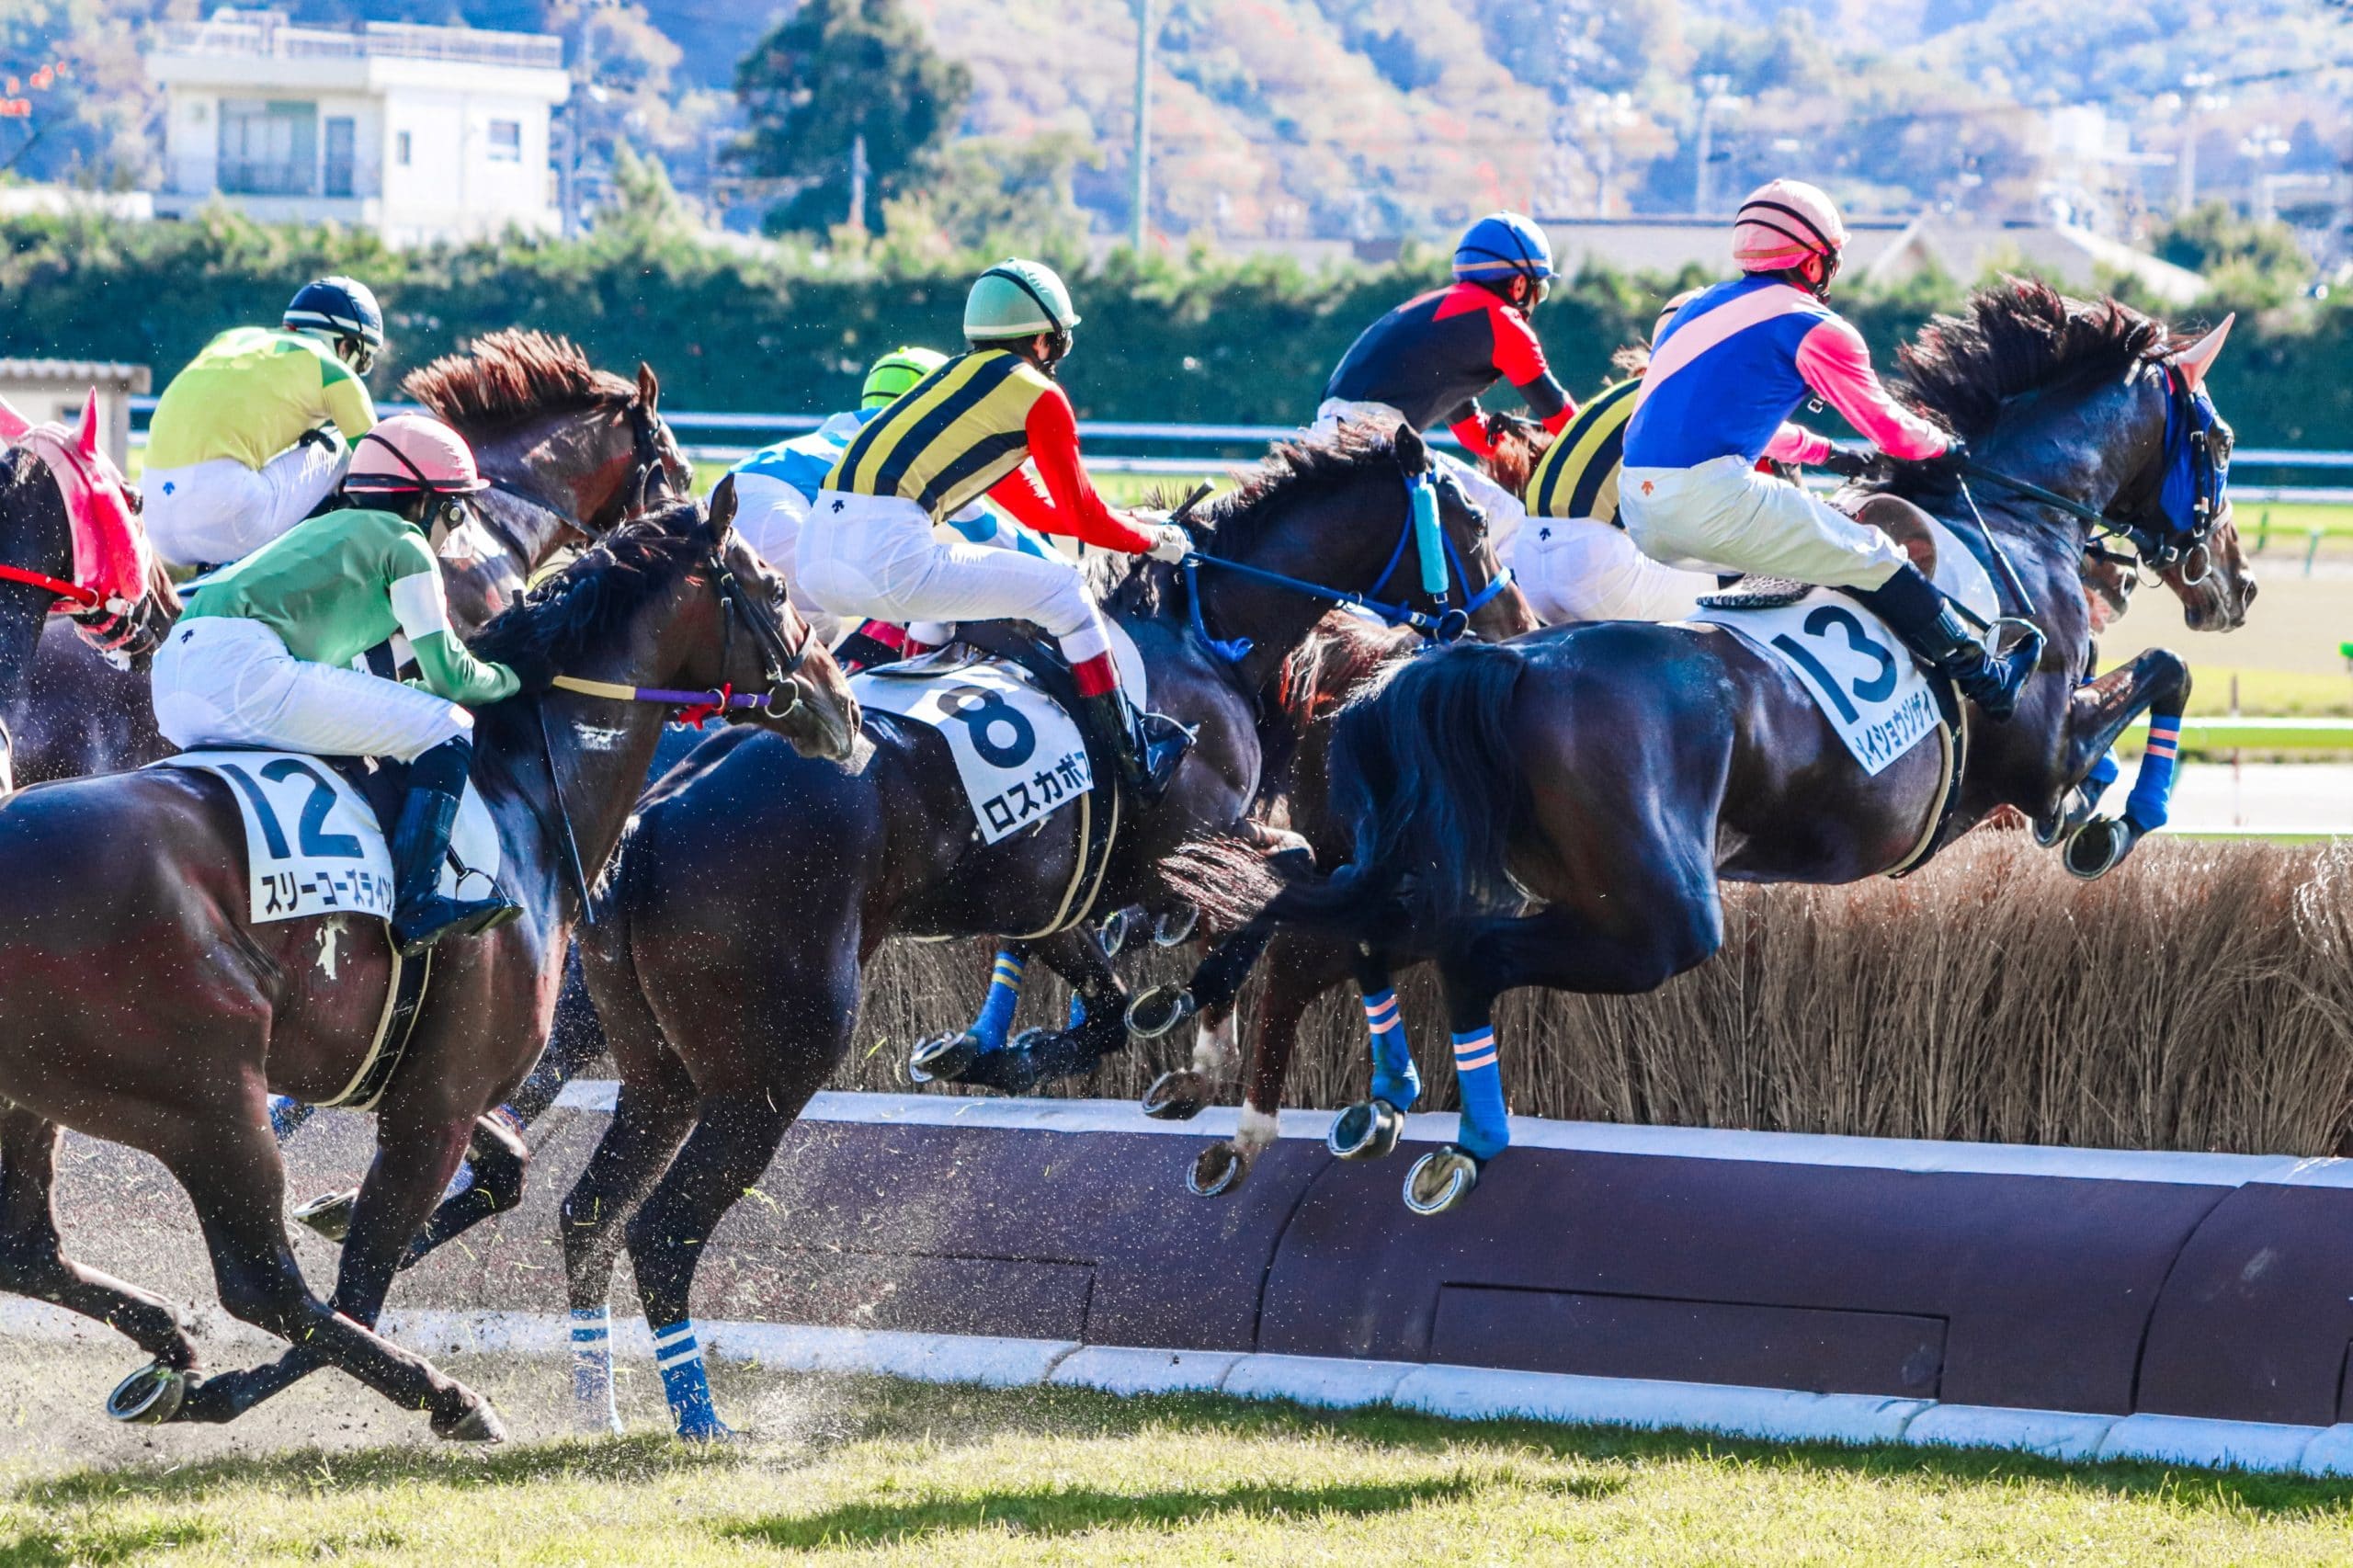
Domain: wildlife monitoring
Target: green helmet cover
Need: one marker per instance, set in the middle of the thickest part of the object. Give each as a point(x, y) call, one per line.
point(1014, 299)
point(895, 374)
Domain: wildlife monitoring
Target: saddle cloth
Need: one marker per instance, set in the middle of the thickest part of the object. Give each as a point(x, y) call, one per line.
point(1019, 756)
point(313, 845)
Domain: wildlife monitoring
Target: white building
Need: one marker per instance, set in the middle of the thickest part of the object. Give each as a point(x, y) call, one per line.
point(421, 133)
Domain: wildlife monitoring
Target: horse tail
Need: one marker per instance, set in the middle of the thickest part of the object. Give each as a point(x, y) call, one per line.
point(1426, 774)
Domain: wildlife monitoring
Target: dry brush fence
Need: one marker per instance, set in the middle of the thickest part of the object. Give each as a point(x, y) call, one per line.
point(2199, 998)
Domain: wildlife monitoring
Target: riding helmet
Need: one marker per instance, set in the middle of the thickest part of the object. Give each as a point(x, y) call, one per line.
point(1503, 243)
point(1016, 299)
point(339, 308)
point(1782, 223)
point(409, 452)
point(895, 374)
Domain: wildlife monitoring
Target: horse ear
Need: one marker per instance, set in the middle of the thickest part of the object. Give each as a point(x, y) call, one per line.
point(722, 508)
point(649, 387)
point(2198, 358)
point(1412, 455)
point(85, 435)
point(13, 425)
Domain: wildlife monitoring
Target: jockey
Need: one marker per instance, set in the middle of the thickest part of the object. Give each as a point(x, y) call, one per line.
point(242, 444)
point(1574, 561)
point(268, 652)
point(1426, 361)
point(961, 432)
point(1723, 378)
point(776, 485)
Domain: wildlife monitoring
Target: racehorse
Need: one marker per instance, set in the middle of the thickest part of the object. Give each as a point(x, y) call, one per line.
point(145, 1008)
point(46, 555)
point(753, 886)
point(568, 449)
point(1559, 810)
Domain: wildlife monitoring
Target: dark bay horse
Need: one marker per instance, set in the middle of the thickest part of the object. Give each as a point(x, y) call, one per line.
point(1559, 810)
point(569, 450)
point(144, 1007)
point(753, 885)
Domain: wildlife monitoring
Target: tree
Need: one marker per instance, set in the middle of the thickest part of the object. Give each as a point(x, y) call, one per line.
point(2259, 263)
point(838, 72)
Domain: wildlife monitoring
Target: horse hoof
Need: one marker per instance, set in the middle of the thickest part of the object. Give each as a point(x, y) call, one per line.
point(2095, 848)
point(1116, 929)
point(329, 1215)
point(709, 1430)
point(1218, 1172)
point(1160, 1010)
point(149, 1396)
point(478, 1424)
point(1177, 1096)
point(1439, 1181)
point(943, 1057)
point(1368, 1129)
point(1175, 929)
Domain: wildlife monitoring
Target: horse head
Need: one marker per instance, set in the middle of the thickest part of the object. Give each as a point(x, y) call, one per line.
point(1493, 605)
point(811, 705)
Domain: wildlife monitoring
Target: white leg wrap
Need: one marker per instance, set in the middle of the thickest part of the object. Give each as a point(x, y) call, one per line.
point(1257, 1129)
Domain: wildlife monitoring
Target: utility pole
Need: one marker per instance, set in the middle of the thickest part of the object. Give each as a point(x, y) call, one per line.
point(857, 182)
point(1140, 172)
point(1711, 90)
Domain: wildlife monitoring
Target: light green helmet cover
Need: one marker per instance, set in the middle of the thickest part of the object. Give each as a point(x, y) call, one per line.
point(895, 374)
point(1014, 299)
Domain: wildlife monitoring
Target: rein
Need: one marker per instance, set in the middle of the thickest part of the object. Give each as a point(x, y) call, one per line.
point(1421, 521)
point(72, 593)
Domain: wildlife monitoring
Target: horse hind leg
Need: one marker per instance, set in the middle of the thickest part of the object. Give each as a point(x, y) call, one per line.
point(1095, 1028)
point(33, 1263)
point(950, 1058)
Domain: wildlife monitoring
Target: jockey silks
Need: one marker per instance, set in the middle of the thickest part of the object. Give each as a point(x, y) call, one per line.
point(250, 394)
point(1431, 357)
point(1735, 364)
point(1577, 475)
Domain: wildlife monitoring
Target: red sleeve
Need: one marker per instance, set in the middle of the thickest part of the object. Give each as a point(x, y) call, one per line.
point(1471, 429)
point(1018, 495)
point(1520, 359)
point(1835, 363)
point(1076, 509)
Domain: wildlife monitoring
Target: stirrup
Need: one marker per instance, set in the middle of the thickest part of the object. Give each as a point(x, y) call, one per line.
point(437, 917)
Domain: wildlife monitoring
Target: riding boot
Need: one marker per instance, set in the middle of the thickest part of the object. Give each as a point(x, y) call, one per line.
point(874, 642)
point(1148, 745)
point(1919, 612)
point(422, 914)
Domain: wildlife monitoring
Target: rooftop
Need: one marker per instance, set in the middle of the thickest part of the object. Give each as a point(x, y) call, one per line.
point(271, 35)
point(85, 371)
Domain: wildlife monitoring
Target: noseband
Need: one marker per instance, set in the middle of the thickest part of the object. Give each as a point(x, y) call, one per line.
point(780, 661)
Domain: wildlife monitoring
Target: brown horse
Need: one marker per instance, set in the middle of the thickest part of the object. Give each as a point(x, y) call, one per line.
point(145, 1008)
point(569, 450)
point(1560, 811)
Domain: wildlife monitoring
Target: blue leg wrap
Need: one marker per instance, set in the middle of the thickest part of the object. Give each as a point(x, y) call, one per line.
point(2104, 773)
point(1004, 996)
point(591, 1364)
point(2146, 808)
point(680, 1356)
point(1485, 1131)
point(286, 1114)
point(1077, 1011)
point(1394, 1077)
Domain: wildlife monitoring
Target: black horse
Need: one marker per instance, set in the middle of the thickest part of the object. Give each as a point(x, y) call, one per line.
point(754, 885)
point(1560, 811)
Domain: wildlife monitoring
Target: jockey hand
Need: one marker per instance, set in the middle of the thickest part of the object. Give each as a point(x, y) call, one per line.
point(1170, 542)
point(534, 670)
point(1848, 463)
point(1501, 424)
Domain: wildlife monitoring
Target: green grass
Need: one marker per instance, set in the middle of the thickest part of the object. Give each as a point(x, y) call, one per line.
point(874, 1472)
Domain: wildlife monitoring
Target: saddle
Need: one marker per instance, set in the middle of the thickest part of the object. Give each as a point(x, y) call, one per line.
point(1899, 520)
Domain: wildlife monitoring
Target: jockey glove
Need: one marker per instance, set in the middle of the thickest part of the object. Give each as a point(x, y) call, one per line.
point(1848, 463)
point(1170, 542)
point(533, 669)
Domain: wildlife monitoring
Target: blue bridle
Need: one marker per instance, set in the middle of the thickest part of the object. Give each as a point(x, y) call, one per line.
point(1422, 532)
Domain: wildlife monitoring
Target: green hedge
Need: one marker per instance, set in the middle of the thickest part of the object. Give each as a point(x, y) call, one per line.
point(1198, 341)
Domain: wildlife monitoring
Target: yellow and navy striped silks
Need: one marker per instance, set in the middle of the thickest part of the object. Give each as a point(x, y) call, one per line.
point(1577, 475)
point(950, 437)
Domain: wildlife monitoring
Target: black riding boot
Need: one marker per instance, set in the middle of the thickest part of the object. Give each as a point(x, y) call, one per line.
point(1149, 745)
point(1916, 611)
point(863, 649)
point(422, 915)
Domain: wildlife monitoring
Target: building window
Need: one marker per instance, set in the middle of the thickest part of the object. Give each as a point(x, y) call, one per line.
point(505, 140)
point(401, 149)
point(336, 171)
point(269, 147)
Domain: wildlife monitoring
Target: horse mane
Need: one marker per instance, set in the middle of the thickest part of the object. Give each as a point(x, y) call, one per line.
point(510, 375)
point(585, 605)
point(1338, 656)
point(2019, 336)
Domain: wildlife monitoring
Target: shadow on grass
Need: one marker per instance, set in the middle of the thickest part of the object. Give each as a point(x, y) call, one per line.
point(1074, 1510)
point(53, 1548)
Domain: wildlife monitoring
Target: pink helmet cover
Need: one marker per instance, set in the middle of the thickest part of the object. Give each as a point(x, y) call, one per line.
point(1782, 223)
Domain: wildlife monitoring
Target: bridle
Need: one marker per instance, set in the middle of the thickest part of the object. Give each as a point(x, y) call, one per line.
point(780, 661)
point(647, 464)
point(1423, 533)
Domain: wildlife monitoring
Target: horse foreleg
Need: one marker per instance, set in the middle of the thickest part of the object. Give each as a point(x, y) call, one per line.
point(33, 1262)
point(1097, 1027)
point(2158, 683)
point(1298, 970)
point(232, 1176)
point(1369, 1129)
point(950, 1056)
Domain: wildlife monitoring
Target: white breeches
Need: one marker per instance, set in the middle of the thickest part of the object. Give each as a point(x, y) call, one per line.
point(875, 555)
point(224, 681)
point(209, 513)
point(1506, 515)
point(1583, 569)
point(769, 513)
point(1724, 515)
